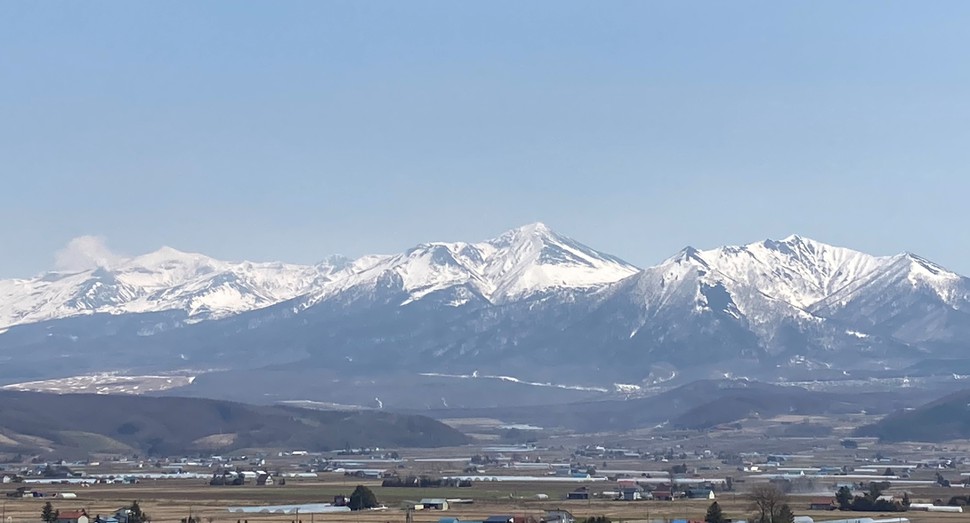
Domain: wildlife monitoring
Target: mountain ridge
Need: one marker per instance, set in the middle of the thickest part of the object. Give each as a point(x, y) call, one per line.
point(530, 303)
point(205, 288)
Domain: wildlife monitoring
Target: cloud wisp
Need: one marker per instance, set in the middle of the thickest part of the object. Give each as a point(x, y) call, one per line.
point(86, 252)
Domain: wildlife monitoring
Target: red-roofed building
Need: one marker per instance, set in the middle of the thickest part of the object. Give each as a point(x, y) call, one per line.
point(72, 516)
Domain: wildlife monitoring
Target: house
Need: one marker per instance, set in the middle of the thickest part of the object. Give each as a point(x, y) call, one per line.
point(631, 494)
point(822, 504)
point(558, 516)
point(72, 516)
point(663, 495)
point(700, 493)
point(580, 493)
point(434, 504)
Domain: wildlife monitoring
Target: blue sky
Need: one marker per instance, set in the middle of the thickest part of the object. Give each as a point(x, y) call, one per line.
point(295, 130)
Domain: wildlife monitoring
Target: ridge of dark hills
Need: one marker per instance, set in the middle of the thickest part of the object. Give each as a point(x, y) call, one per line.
point(85, 423)
point(698, 405)
point(944, 419)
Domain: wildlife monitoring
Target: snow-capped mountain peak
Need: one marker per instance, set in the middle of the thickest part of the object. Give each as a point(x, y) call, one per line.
point(167, 279)
point(534, 259)
point(522, 262)
point(688, 255)
point(798, 270)
point(527, 297)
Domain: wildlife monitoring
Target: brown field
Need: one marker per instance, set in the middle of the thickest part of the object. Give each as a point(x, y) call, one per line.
point(172, 500)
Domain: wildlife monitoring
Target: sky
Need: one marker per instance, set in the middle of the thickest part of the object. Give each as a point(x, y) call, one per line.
point(296, 130)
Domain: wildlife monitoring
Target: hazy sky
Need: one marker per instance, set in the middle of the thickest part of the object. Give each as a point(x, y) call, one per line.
point(295, 130)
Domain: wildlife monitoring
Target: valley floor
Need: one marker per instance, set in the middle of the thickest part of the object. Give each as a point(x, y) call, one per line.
point(173, 500)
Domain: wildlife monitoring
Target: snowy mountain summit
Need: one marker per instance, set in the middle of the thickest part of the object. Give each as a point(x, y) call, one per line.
point(524, 261)
point(529, 303)
point(164, 280)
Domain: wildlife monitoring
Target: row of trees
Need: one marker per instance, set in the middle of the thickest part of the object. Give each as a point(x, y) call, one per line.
point(135, 515)
point(870, 502)
point(770, 505)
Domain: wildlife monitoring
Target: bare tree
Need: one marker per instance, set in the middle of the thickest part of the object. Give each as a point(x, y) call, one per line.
point(767, 502)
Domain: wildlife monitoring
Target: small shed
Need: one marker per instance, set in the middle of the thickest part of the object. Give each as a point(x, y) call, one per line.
point(558, 516)
point(822, 504)
point(264, 479)
point(434, 504)
point(580, 493)
point(631, 494)
point(700, 493)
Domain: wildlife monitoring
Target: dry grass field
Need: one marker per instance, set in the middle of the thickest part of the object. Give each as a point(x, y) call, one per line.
point(170, 501)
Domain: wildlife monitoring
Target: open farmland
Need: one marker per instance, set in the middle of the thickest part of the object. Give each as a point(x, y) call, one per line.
point(171, 501)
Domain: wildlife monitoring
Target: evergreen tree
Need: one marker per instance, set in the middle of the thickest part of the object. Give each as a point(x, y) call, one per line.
point(844, 498)
point(714, 514)
point(48, 515)
point(136, 515)
point(784, 515)
point(362, 498)
point(875, 490)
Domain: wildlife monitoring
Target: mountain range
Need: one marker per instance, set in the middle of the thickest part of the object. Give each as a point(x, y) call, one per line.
point(531, 307)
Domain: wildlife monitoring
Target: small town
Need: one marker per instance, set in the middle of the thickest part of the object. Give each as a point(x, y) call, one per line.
point(848, 482)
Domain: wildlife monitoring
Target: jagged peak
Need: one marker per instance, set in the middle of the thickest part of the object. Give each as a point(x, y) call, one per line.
point(925, 265)
point(797, 238)
point(688, 254)
point(537, 231)
point(794, 241)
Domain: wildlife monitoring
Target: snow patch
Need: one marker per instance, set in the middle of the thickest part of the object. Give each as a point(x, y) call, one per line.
point(106, 383)
point(512, 379)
